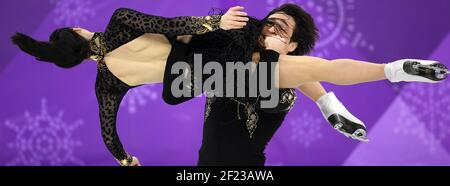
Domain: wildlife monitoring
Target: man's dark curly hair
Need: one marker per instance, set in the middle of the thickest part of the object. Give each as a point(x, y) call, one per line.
point(305, 31)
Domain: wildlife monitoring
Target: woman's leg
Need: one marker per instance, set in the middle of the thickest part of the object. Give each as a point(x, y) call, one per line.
point(296, 70)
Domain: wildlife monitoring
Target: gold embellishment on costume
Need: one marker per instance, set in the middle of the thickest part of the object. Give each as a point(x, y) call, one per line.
point(98, 48)
point(208, 23)
point(289, 96)
point(209, 100)
point(239, 113)
point(127, 161)
point(124, 162)
point(250, 112)
point(252, 119)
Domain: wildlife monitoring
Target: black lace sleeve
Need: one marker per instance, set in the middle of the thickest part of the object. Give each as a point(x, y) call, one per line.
point(127, 24)
point(110, 92)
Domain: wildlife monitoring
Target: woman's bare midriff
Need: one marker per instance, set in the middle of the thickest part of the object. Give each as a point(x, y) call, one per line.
point(140, 61)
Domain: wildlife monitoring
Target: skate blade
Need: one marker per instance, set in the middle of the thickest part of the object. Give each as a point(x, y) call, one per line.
point(360, 135)
point(438, 70)
point(355, 135)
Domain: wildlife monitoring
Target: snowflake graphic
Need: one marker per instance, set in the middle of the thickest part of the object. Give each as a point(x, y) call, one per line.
point(43, 139)
point(72, 12)
point(306, 129)
point(139, 97)
point(336, 25)
point(430, 105)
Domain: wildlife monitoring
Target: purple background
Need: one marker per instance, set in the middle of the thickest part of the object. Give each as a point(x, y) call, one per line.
point(48, 115)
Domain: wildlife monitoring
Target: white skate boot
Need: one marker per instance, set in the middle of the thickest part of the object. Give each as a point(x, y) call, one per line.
point(415, 70)
point(340, 118)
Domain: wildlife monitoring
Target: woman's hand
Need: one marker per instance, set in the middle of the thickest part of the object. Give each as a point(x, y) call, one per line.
point(235, 18)
point(135, 162)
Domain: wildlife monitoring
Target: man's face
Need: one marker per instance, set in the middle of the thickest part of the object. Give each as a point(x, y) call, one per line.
point(278, 24)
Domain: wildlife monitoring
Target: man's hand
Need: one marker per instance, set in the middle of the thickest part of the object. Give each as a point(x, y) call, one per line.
point(277, 44)
point(235, 18)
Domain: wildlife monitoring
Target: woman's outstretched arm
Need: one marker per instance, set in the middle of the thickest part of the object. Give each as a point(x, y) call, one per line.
point(183, 25)
point(126, 24)
point(109, 101)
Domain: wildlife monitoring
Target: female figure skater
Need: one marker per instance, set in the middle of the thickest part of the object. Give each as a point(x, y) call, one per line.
point(127, 57)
